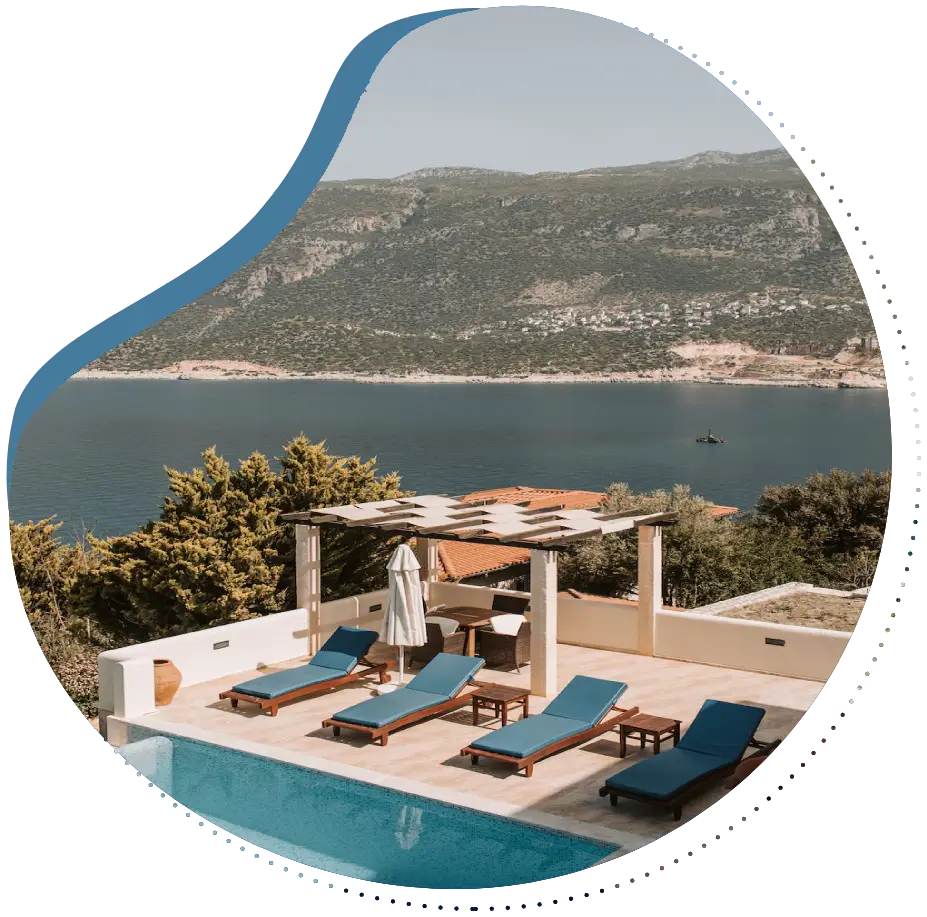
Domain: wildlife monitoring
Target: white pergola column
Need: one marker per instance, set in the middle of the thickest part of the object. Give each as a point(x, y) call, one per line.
point(649, 584)
point(309, 580)
point(543, 623)
point(426, 553)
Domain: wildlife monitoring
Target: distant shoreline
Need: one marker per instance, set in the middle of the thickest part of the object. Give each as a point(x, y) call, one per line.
point(666, 376)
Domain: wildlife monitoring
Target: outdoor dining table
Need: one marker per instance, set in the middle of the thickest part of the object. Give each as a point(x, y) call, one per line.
point(470, 619)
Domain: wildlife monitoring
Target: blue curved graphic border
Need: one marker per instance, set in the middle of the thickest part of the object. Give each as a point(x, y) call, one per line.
point(317, 152)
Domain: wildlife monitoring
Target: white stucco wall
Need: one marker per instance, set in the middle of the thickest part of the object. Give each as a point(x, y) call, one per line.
point(808, 652)
point(127, 674)
point(200, 656)
point(605, 625)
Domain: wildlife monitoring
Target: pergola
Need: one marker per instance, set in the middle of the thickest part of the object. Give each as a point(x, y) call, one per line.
point(546, 531)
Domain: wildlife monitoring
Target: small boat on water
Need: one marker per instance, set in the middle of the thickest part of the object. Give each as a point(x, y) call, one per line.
point(711, 438)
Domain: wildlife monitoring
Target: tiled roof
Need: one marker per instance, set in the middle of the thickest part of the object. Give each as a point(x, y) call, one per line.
point(539, 496)
point(460, 560)
point(551, 496)
point(724, 510)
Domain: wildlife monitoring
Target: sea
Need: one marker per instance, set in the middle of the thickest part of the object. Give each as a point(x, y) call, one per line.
point(94, 453)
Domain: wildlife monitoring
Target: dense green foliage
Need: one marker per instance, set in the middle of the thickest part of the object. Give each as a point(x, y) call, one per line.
point(827, 531)
point(705, 559)
point(839, 519)
point(474, 272)
point(46, 571)
point(218, 553)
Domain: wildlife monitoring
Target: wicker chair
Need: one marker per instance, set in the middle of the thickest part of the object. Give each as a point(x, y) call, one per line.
point(438, 643)
point(506, 649)
point(510, 604)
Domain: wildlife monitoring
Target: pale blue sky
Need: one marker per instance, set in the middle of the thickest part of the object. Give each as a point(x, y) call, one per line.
point(535, 89)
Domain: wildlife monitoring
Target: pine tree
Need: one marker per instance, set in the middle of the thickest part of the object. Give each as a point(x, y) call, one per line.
point(310, 478)
point(705, 559)
point(219, 552)
point(208, 560)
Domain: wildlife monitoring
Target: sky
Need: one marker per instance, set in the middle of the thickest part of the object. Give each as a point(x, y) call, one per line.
point(533, 89)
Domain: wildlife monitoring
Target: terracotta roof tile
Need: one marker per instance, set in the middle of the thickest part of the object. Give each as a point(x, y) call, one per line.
point(539, 496)
point(460, 560)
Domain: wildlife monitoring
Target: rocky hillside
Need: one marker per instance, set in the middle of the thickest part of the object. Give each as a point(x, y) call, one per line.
point(469, 271)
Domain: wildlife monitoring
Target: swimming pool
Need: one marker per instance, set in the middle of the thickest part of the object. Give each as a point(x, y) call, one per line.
point(352, 828)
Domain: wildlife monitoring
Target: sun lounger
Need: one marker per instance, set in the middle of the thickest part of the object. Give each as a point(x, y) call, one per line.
point(436, 689)
point(332, 666)
point(579, 713)
point(710, 749)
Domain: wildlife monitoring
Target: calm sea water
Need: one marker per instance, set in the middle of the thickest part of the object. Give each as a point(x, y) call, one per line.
point(95, 451)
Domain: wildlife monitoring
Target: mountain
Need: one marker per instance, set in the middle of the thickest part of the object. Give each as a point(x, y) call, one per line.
point(474, 271)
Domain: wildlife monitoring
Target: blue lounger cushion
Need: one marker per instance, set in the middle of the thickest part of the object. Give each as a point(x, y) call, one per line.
point(387, 708)
point(277, 684)
point(717, 739)
point(526, 736)
point(446, 674)
point(723, 729)
point(438, 682)
point(667, 773)
point(586, 699)
point(344, 648)
point(580, 705)
point(338, 657)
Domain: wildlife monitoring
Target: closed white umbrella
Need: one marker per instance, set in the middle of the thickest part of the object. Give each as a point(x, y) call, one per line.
point(405, 614)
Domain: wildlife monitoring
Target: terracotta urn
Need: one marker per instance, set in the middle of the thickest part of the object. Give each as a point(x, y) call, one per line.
point(167, 680)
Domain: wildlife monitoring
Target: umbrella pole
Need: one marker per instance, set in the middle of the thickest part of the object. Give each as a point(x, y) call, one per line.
point(402, 659)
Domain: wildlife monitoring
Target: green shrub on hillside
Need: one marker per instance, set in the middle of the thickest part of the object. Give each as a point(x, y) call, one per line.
point(705, 559)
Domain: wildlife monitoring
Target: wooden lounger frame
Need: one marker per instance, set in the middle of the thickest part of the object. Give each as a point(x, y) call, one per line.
point(382, 733)
point(675, 802)
point(604, 725)
point(380, 668)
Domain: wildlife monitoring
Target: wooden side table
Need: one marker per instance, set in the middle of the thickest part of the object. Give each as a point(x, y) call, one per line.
point(647, 728)
point(501, 698)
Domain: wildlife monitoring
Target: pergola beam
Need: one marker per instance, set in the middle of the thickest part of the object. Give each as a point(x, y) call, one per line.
point(438, 535)
point(544, 531)
point(404, 515)
point(489, 519)
point(448, 528)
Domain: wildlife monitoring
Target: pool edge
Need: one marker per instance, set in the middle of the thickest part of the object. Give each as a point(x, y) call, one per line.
point(624, 841)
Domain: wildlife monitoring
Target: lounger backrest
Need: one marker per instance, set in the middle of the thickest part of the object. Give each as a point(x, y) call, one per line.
point(722, 729)
point(446, 674)
point(586, 699)
point(344, 648)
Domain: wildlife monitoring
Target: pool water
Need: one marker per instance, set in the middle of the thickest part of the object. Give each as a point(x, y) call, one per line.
point(351, 828)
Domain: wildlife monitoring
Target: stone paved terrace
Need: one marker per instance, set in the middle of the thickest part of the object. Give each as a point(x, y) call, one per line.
point(564, 785)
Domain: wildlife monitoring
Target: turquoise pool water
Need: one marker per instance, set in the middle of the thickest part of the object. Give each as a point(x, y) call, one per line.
point(351, 828)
